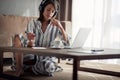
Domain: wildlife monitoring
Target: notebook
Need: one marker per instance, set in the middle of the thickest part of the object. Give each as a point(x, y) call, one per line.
point(80, 38)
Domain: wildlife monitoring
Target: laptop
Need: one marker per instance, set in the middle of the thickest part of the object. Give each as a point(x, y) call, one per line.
point(80, 38)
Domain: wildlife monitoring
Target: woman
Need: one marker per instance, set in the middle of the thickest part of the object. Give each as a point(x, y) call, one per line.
point(41, 33)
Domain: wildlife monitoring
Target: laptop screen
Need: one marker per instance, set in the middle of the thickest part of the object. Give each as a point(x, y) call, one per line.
point(80, 38)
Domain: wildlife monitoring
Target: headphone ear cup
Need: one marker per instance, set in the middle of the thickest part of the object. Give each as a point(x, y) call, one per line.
point(58, 7)
point(41, 5)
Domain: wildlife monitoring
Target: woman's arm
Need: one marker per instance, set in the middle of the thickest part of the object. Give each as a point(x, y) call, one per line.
point(30, 33)
point(58, 24)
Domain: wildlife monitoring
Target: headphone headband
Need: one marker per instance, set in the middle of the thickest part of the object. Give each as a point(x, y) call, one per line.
point(43, 4)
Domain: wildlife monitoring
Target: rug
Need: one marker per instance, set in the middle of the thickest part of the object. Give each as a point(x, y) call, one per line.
point(66, 74)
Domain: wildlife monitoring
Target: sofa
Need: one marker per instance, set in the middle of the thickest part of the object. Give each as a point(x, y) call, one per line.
point(11, 25)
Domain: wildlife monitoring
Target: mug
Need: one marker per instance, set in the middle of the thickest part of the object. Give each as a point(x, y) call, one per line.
point(57, 44)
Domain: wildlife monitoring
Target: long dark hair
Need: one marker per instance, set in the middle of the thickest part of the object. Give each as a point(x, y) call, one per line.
point(44, 3)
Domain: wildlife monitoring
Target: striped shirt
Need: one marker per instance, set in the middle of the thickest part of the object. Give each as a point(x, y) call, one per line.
point(44, 39)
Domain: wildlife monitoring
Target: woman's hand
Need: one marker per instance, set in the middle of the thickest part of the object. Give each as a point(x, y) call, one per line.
point(56, 23)
point(31, 38)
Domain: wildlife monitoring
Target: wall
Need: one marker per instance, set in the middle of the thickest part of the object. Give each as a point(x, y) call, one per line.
point(19, 7)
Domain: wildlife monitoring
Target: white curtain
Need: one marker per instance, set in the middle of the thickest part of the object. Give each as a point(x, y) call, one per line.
point(103, 16)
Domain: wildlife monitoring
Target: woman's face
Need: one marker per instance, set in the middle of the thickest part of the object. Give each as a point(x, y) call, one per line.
point(48, 12)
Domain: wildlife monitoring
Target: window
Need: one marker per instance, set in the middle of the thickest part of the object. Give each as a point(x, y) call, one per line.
point(103, 16)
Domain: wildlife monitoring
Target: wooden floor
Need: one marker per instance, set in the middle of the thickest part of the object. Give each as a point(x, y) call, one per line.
point(66, 74)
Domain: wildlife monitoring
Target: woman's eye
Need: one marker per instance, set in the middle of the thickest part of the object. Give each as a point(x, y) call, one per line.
point(48, 10)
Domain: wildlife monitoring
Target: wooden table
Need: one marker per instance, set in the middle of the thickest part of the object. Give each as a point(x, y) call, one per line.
point(76, 54)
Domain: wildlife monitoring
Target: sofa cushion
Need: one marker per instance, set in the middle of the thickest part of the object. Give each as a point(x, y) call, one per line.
point(5, 40)
point(14, 24)
point(11, 25)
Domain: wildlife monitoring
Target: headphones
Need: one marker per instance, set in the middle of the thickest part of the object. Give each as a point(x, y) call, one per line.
point(43, 4)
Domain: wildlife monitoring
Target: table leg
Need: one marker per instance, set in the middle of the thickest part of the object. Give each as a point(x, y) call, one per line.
point(76, 64)
point(1, 62)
